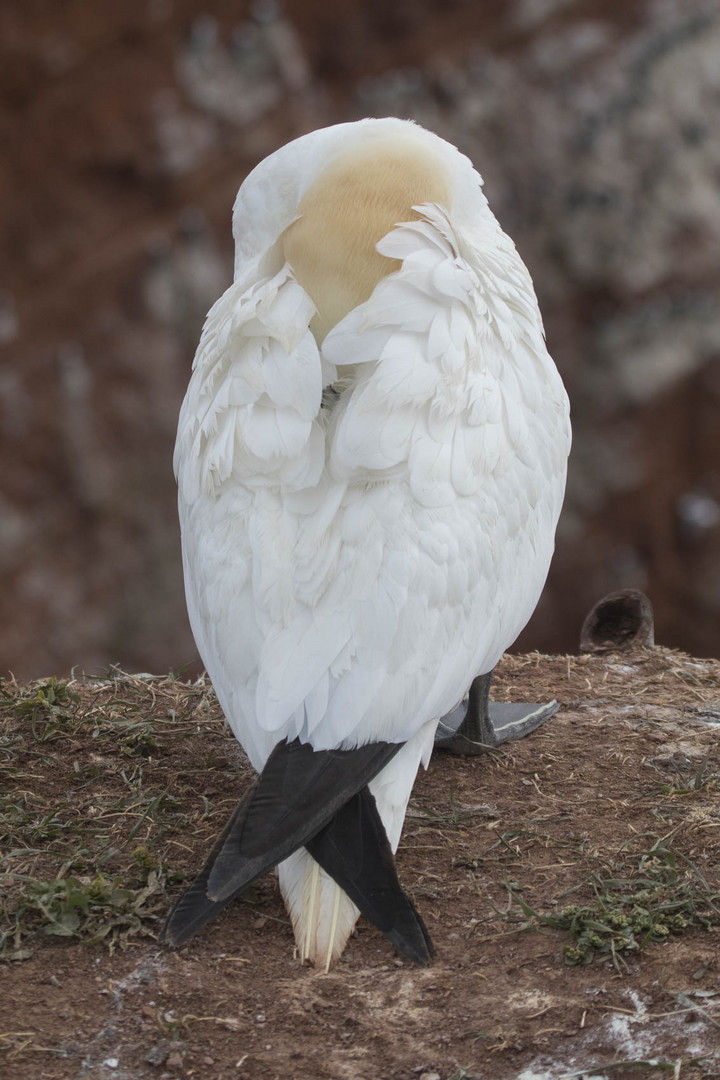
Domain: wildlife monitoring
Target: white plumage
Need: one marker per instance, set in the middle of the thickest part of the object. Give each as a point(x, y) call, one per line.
point(371, 462)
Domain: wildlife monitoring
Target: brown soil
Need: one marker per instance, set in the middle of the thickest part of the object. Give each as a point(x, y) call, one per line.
point(631, 757)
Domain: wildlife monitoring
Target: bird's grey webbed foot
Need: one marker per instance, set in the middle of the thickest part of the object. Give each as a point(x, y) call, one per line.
point(478, 724)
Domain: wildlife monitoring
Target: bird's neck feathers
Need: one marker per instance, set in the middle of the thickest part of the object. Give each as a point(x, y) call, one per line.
point(357, 199)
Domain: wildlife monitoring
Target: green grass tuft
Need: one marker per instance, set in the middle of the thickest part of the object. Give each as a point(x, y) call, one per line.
point(651, 902)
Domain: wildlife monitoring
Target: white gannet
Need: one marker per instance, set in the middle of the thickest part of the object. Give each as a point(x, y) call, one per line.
point(371, 463)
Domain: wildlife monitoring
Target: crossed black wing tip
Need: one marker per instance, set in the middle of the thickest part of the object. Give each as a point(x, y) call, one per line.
point(297, 794)
point(342, 830)
point(268, 824)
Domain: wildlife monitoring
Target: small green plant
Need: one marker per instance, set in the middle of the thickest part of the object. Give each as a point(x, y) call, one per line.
point(653, 902)
point(87, 909)
point(48, 707)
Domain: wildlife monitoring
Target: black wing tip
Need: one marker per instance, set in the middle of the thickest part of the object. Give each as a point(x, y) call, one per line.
point(195, 907)
point(223, 891)
point(416, 947)
point(354, 850)
point(174, 938)
point(412, 938)
point(188, 916)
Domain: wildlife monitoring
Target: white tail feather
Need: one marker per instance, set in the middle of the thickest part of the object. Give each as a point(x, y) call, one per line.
point(312, 903)
point(323, 916)
point(333, 928)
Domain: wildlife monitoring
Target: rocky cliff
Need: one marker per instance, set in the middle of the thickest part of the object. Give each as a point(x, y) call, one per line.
point(127, 132)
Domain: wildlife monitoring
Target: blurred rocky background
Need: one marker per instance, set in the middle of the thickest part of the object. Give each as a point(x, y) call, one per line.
point(126, 130)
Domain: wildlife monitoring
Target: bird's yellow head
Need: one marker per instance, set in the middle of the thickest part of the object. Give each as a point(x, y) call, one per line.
point(354, 202)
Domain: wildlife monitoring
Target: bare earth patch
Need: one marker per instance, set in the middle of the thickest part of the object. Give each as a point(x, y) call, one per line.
point(595, 841)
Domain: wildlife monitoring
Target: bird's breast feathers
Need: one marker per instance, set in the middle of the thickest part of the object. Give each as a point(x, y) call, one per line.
point(368, 514)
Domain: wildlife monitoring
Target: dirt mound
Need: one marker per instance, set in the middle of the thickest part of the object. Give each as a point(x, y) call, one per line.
point(570, 884)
